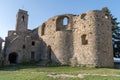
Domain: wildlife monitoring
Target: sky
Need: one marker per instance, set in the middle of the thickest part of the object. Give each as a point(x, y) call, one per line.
point(41, 10)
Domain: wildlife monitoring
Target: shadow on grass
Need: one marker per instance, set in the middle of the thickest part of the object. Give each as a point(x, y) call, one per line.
point(15, 67)
point(12, 67)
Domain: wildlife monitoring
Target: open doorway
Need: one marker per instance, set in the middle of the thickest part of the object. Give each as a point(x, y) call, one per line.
point(49, 54)
point(13, 58)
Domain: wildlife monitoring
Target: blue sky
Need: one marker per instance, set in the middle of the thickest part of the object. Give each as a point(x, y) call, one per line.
point(41, 10)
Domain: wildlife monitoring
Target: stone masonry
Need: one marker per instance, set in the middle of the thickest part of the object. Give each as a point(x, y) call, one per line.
point(1, 41)
point(80, 40)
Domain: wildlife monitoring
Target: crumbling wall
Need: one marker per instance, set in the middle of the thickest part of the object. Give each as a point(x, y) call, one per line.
point(85, 40)
point(59, 36)
point(93, 39)
point(80, 40)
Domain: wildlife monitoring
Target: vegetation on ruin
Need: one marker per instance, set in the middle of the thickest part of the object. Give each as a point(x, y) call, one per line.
point(35, 72)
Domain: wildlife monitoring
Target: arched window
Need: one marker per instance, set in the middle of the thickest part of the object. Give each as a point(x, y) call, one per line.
point(84, 40)
point(49, 53)
point(13, 58)
point(23, 18)
point(65, 21)
point(62, 22)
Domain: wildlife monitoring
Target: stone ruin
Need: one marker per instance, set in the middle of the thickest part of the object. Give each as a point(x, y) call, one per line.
point(79, 40)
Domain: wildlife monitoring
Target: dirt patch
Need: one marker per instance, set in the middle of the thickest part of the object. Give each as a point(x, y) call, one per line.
point(54, 75)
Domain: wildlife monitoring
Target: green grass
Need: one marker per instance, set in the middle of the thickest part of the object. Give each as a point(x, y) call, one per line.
point(35, 72)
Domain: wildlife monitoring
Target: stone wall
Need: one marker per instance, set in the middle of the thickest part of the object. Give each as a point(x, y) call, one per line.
point(1, 56)
point(1, 41)
point(80, 40)
point(85, 40)
point(58, 37)
point(84, 37)
point(104, 39)
point(23, 44)
point(97, 30)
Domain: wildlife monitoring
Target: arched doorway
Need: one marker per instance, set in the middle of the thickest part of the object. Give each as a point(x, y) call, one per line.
point(13, 58)
point(49, 54)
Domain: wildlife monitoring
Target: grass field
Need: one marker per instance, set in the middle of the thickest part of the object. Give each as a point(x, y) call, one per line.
point(35, 72)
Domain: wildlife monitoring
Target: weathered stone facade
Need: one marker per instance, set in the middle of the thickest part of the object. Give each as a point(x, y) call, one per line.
point(1, 41)
point(1, 56)
point(82, 40)
point(22, 43)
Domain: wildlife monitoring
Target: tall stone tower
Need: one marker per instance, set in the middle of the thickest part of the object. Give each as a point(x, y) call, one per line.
point(21, 20)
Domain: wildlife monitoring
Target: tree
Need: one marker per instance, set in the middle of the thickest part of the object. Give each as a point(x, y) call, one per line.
point(115, 33)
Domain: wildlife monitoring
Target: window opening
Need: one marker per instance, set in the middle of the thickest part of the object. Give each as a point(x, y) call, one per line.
point(49, 53)
point(23, 47)
point(23, 18)
point(106, 16)
point(65, 21)
point(33, 43)
point(84, 41)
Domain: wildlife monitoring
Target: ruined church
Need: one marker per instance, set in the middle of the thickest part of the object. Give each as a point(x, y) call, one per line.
point(80, 40)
